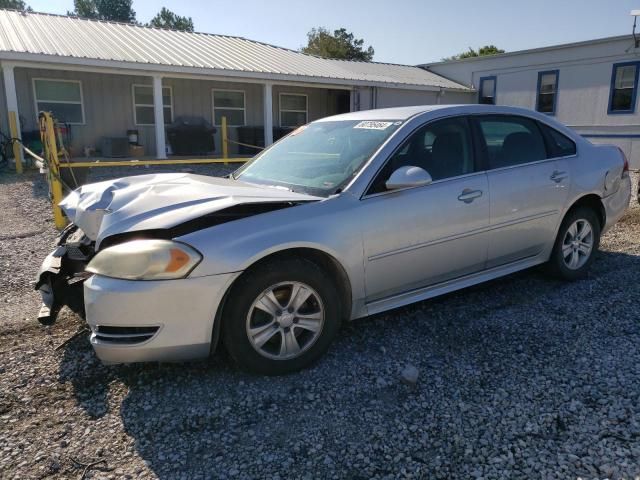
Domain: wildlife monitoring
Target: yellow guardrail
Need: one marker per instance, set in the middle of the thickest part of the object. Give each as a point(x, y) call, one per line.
point(13, 131)
point(54, 150)
point(49, 142)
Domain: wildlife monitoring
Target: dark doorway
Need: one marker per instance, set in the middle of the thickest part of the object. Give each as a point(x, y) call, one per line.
point(343, 101)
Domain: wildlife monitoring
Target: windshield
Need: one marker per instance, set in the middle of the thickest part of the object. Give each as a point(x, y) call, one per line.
point(319, 158)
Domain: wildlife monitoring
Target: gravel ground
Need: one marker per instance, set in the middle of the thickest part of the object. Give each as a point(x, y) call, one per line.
point(524, 377)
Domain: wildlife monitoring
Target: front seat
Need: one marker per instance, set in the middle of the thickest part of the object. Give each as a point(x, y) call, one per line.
point(446, 156)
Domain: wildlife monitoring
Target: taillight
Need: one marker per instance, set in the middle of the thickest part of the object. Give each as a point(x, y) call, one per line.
point(625, 166)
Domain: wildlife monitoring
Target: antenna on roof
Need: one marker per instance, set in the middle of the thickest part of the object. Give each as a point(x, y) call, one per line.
point(635, 14)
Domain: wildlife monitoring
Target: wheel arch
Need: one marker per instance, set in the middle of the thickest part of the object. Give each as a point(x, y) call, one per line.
point(592, 201)
point(321, 258)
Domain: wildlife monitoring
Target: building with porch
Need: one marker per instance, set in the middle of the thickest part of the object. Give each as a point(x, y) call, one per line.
point(104, 79)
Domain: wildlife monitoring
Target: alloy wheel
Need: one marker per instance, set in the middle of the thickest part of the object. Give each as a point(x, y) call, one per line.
point(577, 244)
point(285, 320)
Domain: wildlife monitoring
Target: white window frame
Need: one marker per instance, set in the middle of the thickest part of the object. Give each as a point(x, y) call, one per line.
point(35, 96)
point(243, 109)
point(280, 109)
point(135, 105)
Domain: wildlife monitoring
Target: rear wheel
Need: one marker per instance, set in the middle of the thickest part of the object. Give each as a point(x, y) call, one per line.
point(576, 245)
point(281, 316)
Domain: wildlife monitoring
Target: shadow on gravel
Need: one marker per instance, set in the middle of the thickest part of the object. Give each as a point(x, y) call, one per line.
point(91, 379)
point(507, 370)
point(39, 187)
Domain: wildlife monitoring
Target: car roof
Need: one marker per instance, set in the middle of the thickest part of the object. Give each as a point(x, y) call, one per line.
point(404, 113)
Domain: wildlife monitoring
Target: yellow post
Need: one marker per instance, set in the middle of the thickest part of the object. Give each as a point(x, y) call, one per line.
point(48, 135)
point(225, 140)
point(13, 130)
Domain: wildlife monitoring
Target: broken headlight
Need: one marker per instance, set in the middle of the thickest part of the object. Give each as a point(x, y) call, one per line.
point(145, 260)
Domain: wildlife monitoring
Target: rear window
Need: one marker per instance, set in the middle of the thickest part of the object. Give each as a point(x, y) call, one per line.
point(560, 145)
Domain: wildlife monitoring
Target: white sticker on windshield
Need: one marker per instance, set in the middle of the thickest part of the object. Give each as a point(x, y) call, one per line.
point(374, 125)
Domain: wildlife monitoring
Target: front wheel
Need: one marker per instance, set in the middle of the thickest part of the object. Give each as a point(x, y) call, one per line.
point(576, 245)
point(281, 316)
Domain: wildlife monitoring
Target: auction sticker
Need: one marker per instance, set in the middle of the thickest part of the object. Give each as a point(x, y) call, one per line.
point(370, 125)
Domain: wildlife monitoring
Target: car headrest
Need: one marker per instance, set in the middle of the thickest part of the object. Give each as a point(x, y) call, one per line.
point(521, 147)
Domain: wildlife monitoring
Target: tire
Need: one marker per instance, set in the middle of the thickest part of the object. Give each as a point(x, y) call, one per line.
point(312, 323)
point(566, 266)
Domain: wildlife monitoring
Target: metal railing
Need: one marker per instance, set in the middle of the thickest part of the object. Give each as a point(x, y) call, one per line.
point(55, 151)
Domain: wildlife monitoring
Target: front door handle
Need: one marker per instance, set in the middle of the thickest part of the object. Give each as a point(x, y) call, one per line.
point(468, 195)
point(558, 176)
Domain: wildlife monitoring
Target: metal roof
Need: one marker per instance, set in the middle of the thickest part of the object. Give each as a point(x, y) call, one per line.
point(561, 46)
point(57, 38)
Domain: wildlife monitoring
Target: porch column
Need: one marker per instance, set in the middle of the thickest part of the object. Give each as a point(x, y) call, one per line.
point(12, 103)
point(158, 112)
point(268, 114)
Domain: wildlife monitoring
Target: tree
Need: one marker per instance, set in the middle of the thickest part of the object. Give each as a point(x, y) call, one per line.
point(167, 19)
point(15, 5)
point(482, 51)
point(341, 45)
point(113, 10)
point(84, 9)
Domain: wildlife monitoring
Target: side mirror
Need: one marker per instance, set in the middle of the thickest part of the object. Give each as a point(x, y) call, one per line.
point(406, 177)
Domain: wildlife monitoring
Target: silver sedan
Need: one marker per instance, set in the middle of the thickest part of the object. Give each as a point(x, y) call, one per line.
point(345, 217)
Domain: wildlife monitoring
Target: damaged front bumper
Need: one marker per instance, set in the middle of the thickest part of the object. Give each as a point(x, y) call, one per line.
point(62, 275)
point(130, 320)
point(153, 321)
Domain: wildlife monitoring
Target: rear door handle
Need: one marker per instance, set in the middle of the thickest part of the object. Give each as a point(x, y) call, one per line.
point(468, 195)
point(558, 176)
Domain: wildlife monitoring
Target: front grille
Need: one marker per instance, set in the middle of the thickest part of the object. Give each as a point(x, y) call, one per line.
point(124, 335)
point(75, 253)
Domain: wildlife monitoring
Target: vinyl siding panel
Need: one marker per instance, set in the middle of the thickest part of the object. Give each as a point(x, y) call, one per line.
point(457, 98)
point(396, 97)
point(583, 86)
point(392, 97)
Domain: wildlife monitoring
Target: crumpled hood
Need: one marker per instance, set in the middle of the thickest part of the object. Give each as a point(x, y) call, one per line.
point(158, 201)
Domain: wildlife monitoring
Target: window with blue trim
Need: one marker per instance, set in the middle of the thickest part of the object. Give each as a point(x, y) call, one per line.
point(547, 92)
point(487, 91)
point(624, 84)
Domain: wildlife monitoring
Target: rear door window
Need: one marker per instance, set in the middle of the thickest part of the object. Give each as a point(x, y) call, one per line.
point(511, 140)
point(559, 144)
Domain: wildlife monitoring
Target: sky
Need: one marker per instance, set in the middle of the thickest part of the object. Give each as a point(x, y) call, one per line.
point(401, 31)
